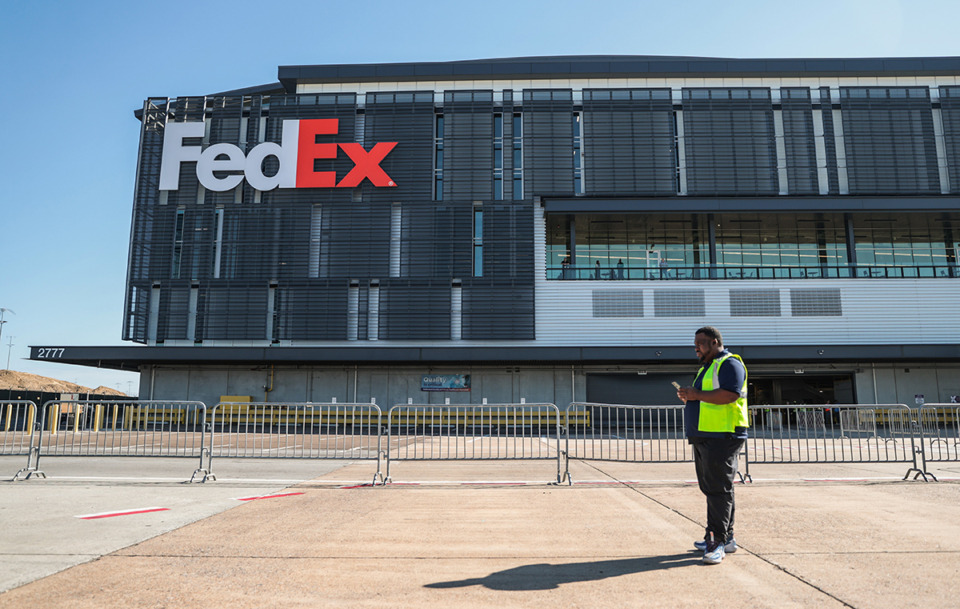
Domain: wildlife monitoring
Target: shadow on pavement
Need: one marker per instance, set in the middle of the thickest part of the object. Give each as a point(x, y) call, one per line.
point(544, 576)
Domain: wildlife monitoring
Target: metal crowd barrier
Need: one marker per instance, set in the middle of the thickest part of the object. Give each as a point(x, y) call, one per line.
point(885, 433)
point(939, 426)
point(808, 434)
point(624, 433)
point(424, 432)
point(835, 433)
point(295, 431)
point(122, 429)
point(18, 422)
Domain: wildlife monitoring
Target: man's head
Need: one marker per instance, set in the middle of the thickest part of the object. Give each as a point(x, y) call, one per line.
point(707, 343)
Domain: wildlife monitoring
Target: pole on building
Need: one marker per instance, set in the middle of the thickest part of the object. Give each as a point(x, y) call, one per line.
point(2, 311)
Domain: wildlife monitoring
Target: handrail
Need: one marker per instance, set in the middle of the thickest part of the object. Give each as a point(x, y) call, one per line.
point(706, 271)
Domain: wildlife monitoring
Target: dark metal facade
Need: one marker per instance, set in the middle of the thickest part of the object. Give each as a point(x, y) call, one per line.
point(300, 252)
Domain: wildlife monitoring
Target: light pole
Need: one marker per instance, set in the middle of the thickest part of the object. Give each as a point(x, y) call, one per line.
point(2, 311)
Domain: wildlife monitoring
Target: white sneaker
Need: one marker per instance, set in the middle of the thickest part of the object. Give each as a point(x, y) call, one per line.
point(714, 553)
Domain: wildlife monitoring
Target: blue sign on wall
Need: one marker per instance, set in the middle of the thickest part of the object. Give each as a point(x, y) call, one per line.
point(445, 382)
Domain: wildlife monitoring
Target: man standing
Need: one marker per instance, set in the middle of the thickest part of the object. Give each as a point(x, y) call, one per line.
point(716, 421)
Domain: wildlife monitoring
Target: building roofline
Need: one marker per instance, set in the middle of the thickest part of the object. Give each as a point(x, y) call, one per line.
point(614, 66)
point(274, 87)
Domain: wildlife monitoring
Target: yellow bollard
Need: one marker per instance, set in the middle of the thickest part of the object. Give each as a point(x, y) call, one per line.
point(54, 421)
point(9, 416)
point(97, 414)
point(77, 415)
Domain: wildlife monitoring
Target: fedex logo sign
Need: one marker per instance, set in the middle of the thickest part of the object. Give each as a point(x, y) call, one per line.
point(296, 155)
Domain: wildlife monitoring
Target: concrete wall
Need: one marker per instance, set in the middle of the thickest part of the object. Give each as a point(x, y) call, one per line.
point(560, 385)
point(901, 384)
point(386, 386)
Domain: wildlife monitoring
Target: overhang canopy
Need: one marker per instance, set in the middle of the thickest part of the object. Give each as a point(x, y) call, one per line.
point(133, 357)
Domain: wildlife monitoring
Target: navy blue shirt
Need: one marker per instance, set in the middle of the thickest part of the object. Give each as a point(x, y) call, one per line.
point(731, 377)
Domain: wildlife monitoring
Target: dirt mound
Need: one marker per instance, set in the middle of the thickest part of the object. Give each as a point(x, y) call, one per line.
point(11, 379)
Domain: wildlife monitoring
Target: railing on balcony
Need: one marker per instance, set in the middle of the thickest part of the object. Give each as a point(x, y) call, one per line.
point(619, 273)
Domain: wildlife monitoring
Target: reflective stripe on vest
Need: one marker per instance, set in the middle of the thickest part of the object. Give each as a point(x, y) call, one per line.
point(722, 418)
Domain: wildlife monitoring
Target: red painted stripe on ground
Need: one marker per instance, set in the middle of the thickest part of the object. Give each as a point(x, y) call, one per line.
point(122, 513)
point(267, 496)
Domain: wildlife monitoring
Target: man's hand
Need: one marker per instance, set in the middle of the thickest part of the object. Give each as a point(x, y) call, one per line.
point(716, 396)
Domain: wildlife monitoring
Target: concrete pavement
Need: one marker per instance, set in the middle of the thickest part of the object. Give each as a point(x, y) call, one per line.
point(443, 535)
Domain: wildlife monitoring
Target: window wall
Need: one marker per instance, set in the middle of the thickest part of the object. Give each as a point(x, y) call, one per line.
point(752, 245)
point(814, 244)
point(921, 245)
point(625, 246)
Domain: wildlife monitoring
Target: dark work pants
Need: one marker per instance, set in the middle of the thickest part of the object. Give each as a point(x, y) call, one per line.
point(716, 463)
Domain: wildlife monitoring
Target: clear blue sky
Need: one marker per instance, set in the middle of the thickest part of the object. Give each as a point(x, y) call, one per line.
point(72, 73)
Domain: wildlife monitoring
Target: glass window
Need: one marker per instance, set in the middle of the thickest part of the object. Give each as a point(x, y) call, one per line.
point(177, 244)
point(577, 167)
point(926, 242)
point(749, 242)
point(517, 156)
point(498, 157)
point(627, 246)
point(478, 242)
point(438, 158)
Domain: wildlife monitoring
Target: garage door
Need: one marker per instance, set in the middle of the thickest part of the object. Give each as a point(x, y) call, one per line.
point(635, 389)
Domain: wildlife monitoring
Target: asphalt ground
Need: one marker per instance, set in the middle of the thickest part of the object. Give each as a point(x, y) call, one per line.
point(309, 533)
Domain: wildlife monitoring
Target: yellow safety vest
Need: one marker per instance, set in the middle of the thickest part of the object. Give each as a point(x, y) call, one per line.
point(722, 418)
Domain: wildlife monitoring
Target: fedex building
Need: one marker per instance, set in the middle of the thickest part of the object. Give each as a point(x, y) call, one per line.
point(548, 229)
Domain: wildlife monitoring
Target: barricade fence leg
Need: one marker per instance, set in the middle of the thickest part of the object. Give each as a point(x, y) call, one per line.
point(207, 474)
point(387, 479)
point(745, 474)
point(35, 442)
point(565, 430)
point(381, 431)
point(208, 449)
point(918, 469)
point(30, 470)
